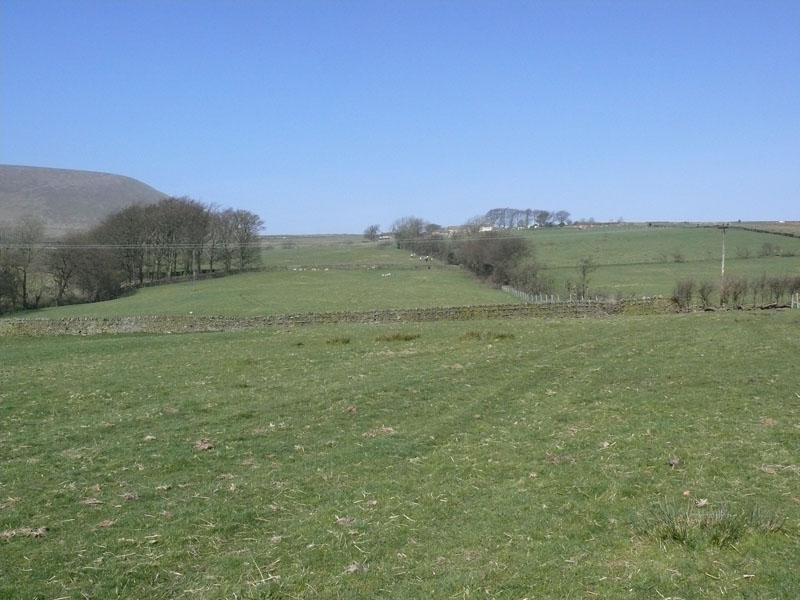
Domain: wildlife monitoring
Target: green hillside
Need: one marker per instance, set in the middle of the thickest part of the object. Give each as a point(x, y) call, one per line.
point(334, 273)
point(281, 292)
point(641, 260)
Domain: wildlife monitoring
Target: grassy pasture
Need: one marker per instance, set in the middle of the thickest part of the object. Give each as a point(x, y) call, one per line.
point(660, 278)
point(279, 292)
point(487, 459)
point(638, 260)
point(633, 244)
point(632, 261)
point(325, 250)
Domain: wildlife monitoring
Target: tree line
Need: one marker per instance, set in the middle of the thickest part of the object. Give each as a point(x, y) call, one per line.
point(138, 244)
point(511, 218)
point(497, 258)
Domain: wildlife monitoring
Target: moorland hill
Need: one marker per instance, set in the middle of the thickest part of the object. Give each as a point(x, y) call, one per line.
point(65, 199)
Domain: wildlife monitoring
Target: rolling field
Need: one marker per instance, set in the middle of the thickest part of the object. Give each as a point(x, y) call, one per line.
point(618, 457)
point(634, 457)
point(643, 261)
point(631, 261)
point(330, 250)
point(279, 292)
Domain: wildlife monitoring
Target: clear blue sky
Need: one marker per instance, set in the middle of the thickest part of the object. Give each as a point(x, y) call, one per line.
point(327, 116)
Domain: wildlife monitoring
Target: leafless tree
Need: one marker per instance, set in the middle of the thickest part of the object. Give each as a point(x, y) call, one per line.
point(246, 229)
point(561, 217)
point(372, 232)
point(21, 257)
point(408, 231)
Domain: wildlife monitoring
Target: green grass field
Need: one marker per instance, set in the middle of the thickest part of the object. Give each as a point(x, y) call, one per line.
point(617, 457)
point(647, 261)
point(632, 261)
point(279, 292)
point(324, 250)
point(486, 459)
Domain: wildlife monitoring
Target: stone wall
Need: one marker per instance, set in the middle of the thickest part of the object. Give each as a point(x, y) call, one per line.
point(188, 324)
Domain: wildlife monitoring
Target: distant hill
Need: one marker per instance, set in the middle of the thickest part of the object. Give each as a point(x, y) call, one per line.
point(67, 200)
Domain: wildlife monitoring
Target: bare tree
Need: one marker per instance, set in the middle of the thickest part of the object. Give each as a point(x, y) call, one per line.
point(129, 231)
point(407, 231)
point(21, 258)
point(220, 240)
point(246, 229)
point(542, 217)
point(704, 290)
point(561, 217)
point(494, 258)
point(62, 263)
point(372, 232)
point(682, 294)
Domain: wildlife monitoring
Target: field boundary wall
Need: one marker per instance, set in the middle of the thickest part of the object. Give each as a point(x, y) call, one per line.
point(198, 323)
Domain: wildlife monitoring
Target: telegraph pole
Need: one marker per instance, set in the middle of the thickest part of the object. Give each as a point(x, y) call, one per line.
point(724, 229)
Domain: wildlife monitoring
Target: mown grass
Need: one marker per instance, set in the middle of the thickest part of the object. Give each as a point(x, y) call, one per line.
point(507, 459)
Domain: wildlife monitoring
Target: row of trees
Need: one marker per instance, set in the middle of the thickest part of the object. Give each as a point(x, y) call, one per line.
point(510, 218)
point(495, 257)
point(138, 244)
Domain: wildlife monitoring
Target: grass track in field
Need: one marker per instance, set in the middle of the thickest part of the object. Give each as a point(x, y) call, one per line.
point(500, 459)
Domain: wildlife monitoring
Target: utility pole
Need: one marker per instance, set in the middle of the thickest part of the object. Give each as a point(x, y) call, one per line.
point(724, 229)
point(194, 267)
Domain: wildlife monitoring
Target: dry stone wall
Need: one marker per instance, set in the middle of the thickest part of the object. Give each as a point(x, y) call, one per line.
point(191, 324)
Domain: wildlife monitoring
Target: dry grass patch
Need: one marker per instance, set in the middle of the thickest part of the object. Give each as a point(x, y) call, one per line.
point(397, 337)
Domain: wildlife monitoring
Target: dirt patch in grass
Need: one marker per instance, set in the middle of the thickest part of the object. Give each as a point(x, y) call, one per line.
point(558, 458)
point(379, 431)
point(37, 532)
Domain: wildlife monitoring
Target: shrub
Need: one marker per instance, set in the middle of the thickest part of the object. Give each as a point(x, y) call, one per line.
point(494, 258)
point(733, 290)
point(682, 294)
point(704, 290)
point(759, 287)
point(769, 249)
point(778, 286)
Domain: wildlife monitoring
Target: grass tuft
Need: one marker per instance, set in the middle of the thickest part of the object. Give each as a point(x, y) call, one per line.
point(489, 335)
point(689, 526)
point(470, 335)
point(397, 337)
